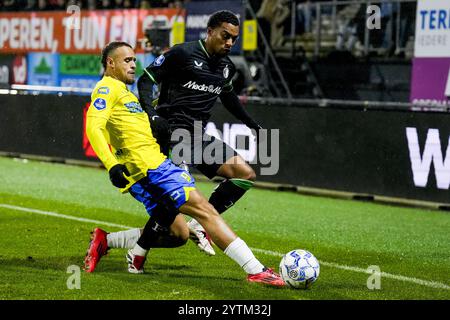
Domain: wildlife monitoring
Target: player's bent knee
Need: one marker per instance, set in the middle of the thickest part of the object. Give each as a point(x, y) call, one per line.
point(245, 172)
point(238, 171)
point(181, 234)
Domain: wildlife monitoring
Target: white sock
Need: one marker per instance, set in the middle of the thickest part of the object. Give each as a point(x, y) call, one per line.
point(139, 251)
point(123, 239)
point(243, 256)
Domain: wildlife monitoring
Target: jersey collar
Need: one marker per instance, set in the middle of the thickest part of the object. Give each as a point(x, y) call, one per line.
point(118, 82)
point(213, 59)
point(202, 45)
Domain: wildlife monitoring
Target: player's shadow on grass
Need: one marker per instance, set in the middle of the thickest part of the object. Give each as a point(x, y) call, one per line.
point(200, 276)
point(159, 269)
point(41, 263)
point(114, 265)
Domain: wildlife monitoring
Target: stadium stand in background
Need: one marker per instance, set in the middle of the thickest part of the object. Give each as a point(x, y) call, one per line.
point(312, 40)
point(301, 43)
point(30, 5)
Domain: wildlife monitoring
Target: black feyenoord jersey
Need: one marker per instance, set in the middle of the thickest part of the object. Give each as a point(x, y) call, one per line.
point(190, 82)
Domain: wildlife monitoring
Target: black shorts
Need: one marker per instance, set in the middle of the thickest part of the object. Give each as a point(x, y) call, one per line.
point(206, 155)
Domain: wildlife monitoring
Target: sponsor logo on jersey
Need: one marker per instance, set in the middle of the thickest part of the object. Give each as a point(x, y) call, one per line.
point(159, 61)
point(202, 87)
point(99, 104)
point(198, 65)
point(186, 176)
point(134, 107)
point(226, 72)
point(103, 90)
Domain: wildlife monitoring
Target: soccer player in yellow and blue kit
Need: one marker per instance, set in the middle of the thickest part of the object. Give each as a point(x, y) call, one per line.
point(136, 165)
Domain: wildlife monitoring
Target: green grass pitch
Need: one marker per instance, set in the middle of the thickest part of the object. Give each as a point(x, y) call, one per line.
point(411, 247)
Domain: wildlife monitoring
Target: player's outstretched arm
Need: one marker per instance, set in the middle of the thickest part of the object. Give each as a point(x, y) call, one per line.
point(231, 102)
point(145, 89)
point(96, 132)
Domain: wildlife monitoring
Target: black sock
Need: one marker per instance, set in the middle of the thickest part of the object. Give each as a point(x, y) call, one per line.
point(150, 234)
point(157, 229)
point(228, 192)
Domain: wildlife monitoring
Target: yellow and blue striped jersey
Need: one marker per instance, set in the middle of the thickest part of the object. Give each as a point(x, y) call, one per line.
point(115, 118)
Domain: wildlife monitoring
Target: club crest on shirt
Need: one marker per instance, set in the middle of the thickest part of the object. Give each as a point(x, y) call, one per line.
point(159, 61)
point(226, 72)
point(99, 104)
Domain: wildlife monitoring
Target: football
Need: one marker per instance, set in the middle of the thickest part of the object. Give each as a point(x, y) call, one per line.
point(299, 269)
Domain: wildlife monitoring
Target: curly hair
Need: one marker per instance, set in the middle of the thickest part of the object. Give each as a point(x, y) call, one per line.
point(219, 17)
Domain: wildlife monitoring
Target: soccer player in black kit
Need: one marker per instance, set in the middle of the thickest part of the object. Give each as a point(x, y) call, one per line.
point(191, 76)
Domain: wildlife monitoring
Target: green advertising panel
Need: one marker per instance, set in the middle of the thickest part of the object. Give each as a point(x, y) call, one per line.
point(80, 64)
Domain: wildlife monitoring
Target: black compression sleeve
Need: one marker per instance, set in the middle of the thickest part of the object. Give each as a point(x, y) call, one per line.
point(231, 102)
point(145, 89)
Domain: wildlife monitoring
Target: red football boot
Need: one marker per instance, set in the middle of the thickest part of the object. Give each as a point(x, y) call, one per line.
point(267, 276)
point(98, 247)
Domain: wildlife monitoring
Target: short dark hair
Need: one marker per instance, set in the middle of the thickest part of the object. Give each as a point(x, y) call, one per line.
point(110, 47)
point(219, 17)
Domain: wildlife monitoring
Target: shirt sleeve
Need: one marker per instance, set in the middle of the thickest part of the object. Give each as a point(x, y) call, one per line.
point(102, 102)
point(166, 65)
point(231, 102)
point(163, 67)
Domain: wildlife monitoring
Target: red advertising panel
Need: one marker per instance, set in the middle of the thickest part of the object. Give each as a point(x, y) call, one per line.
point(82, 32)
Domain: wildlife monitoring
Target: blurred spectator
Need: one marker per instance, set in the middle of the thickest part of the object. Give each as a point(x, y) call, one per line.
point(56, 5)
point(347, 35)
point(304, 13)
point(145, 4)
point(62, 4)
point(42, 5)
point(128, 4)
point(77, 3)
point(91, 4)
point(117, 4)
point(407, 24)
point(275, 12)
point(31, 5)
point(10, 5)
point(389, 13)
point(105, 4)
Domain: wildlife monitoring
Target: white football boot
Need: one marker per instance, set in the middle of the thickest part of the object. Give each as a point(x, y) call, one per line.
point(135, 262)
point(200, 237)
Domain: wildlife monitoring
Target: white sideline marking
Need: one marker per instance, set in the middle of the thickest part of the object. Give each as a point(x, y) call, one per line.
point(426, 283)
point(431, 284)
point(59, 215)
